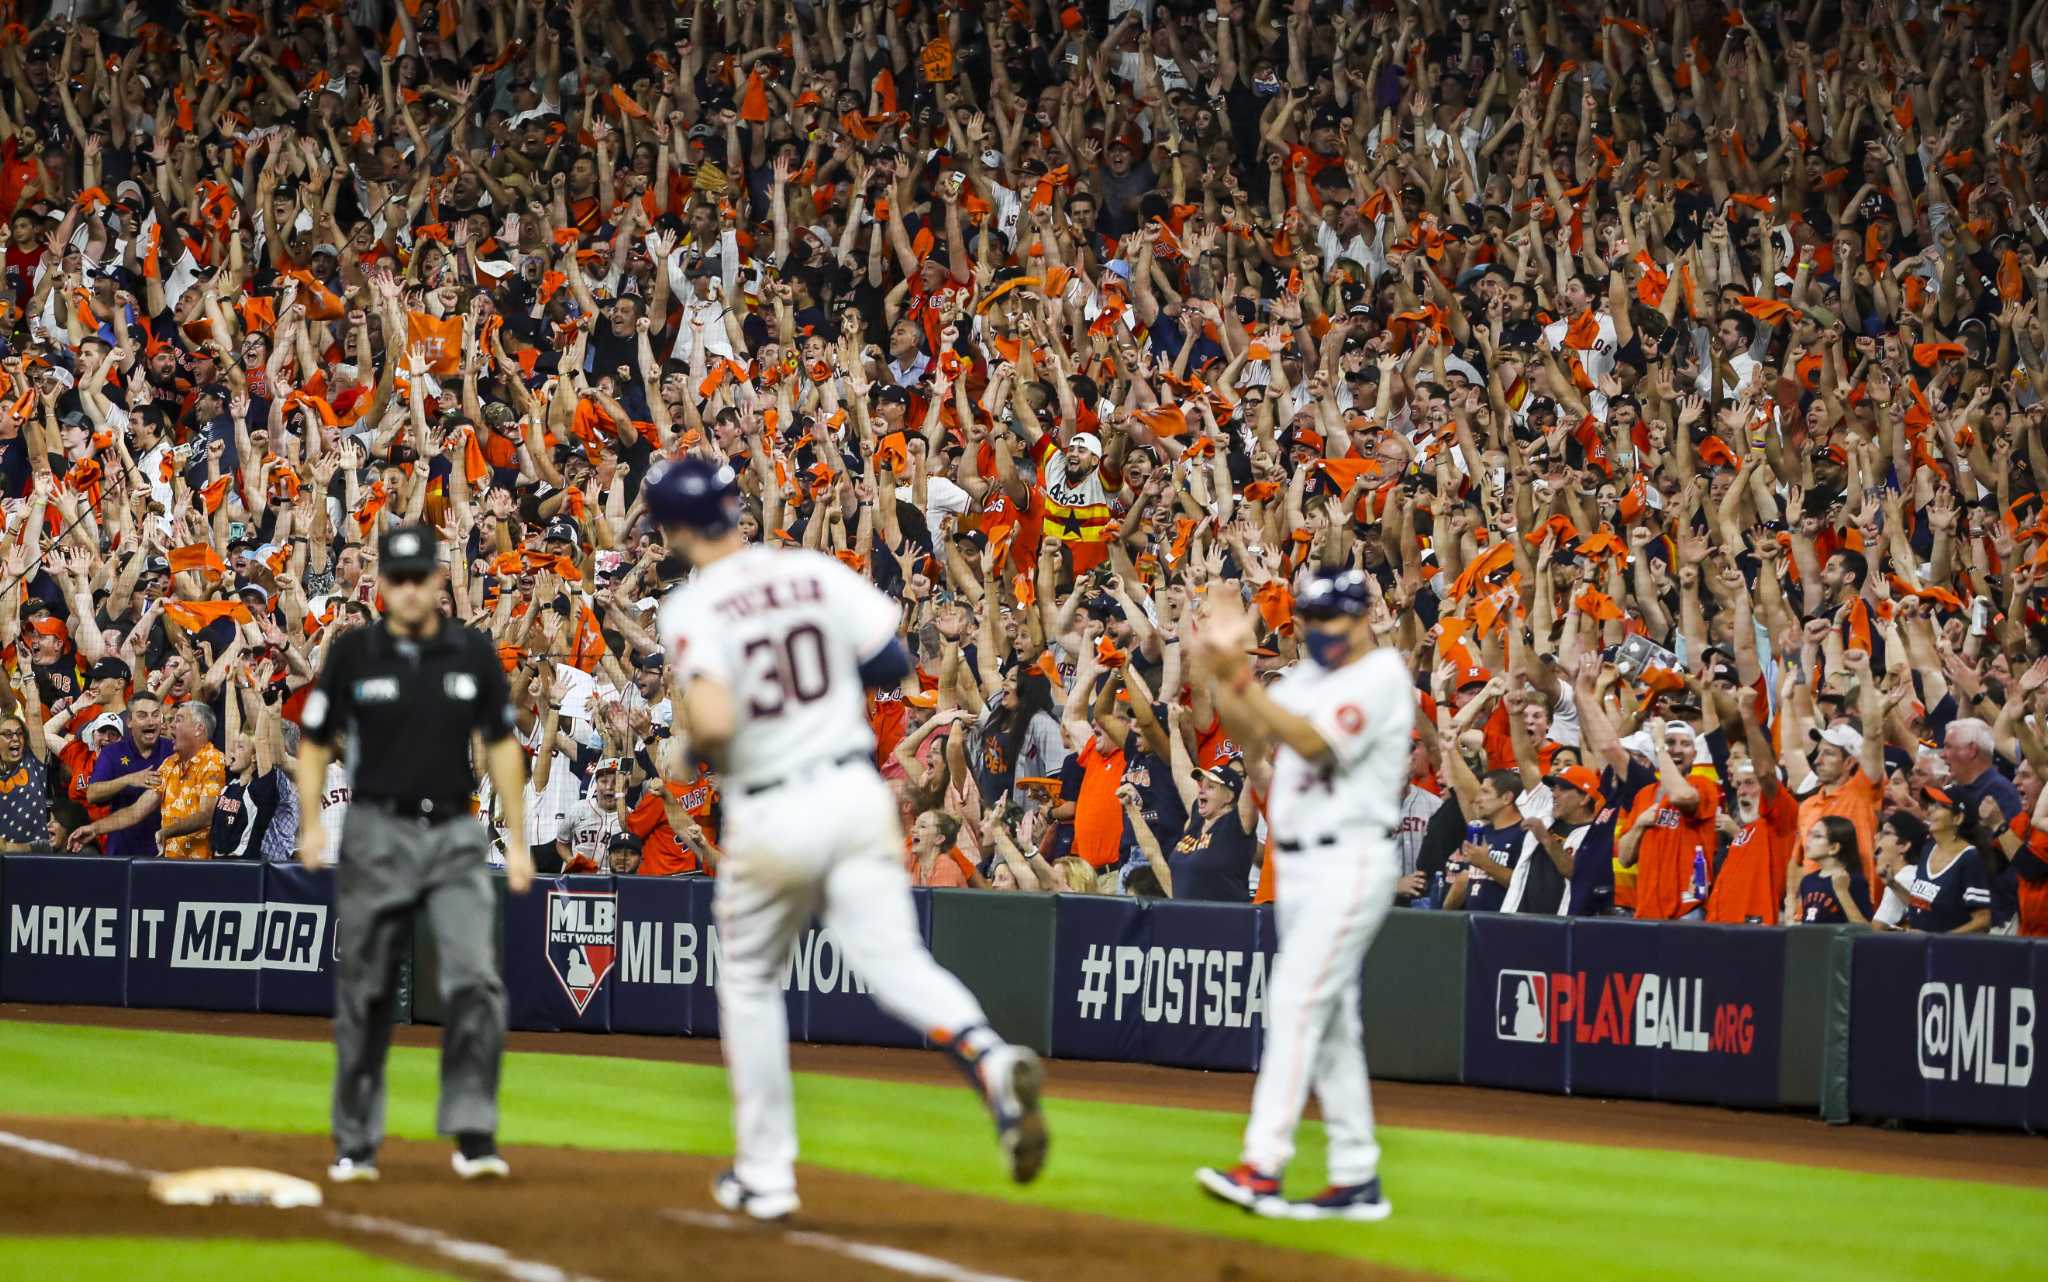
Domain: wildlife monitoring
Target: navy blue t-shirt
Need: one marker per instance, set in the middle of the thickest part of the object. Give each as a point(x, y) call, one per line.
point(1818, 905)
point(1215, 864)
point(1160, 802)
point(1942, 903)
point(1591, 893)
point(1507, 844)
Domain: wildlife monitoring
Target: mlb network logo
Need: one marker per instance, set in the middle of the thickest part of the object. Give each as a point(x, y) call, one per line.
point(580, 941)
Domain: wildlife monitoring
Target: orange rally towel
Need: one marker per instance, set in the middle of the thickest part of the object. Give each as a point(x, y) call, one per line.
point(441, 336)
point(194, 616)
point(196, 556)
point(754, 100)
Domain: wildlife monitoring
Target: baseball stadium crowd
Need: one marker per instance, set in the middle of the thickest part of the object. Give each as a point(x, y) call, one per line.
point(1667, 368)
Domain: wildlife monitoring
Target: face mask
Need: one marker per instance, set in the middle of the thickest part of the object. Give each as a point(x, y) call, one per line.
point(1327, 649)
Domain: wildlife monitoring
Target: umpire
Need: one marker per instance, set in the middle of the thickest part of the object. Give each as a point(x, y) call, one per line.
point(402, 698)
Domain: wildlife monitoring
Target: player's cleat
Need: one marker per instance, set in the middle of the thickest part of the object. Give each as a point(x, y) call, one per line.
point(358, 1169)
point(729, 1193)
point(1243, 1186)
point(477, 1158)
point(1012, 1081)
point(1348, 1202)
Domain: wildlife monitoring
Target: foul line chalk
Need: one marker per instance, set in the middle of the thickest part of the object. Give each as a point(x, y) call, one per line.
point(908, 1263)
point(476, 1254)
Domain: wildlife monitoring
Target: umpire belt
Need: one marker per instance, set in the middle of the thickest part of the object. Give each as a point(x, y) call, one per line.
point(427, 810)
point(1296, 845)
point(836, 763)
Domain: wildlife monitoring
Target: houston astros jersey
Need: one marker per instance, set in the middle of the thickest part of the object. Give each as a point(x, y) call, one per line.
point(1365, 710)
point(786, 631)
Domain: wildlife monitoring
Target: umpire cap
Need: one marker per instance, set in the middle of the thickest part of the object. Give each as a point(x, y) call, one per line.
point(1333, 593)
point(408, 550)
point(695, 495)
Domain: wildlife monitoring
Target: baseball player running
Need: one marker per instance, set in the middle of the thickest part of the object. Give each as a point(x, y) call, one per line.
point(772, 651)
point(1339, 726)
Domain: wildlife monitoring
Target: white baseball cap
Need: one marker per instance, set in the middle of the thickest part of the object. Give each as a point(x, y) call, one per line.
point(1086, 440)
point(1847, 738)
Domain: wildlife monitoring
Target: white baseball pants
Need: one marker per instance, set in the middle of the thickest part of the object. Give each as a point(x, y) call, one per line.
point(1330, 902)
point(828, 843)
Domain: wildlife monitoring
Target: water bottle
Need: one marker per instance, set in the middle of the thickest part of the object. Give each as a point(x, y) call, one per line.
point(1699, 874)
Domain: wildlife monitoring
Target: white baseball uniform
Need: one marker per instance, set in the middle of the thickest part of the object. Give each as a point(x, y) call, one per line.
point(810, 827)
point(1336, 863)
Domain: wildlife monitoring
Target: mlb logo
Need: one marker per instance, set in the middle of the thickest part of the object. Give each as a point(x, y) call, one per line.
point(581, 943)
point(1520, 998)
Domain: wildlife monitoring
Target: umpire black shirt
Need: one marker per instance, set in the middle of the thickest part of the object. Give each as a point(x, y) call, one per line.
point(405, 709)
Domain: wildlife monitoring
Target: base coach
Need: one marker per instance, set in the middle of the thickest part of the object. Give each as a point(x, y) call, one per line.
point(402, 700)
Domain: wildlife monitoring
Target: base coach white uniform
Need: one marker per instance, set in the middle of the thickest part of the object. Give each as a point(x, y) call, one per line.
point(773, 652)
point(1339, 723)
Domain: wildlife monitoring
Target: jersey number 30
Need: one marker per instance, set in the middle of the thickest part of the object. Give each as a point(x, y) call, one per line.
point(792, 670)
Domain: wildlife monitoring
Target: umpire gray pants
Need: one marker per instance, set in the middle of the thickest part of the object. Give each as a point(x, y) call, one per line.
point(391, 868)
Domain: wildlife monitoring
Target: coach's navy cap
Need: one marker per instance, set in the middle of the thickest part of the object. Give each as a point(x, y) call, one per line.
point(1333, 594)
point(409, 549)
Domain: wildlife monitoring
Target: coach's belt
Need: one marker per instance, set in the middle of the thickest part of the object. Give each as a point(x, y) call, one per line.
point(424, 809)
point(851, 758)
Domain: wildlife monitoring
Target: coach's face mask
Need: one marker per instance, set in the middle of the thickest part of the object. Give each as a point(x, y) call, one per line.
point(1327, 649)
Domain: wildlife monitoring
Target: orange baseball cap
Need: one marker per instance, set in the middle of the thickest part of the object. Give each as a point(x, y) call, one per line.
point(1581, 778)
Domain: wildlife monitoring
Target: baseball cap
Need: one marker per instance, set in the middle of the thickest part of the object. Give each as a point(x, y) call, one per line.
point(1581, 778)
point(105, 721)
point(1846, 738)
point(1940, 797)
point(605, 766)
point(923, 699)
point(889, 392)
point(564, 531)
point(109, 669)
point(409, 549)
point(1333, 594)
point(1227, 775)
point(1471, 675)
point(1086, 440)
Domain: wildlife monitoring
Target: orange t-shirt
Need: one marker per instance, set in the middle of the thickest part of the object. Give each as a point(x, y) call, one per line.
point(1500, 741)
point(1098, 815)
point(662, 853)
point(949, 869)
point(1751, 884)
point(1664, 856)
point(1857, 799)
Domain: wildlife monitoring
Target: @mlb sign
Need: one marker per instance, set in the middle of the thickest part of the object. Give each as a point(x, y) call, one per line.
point(581, 942)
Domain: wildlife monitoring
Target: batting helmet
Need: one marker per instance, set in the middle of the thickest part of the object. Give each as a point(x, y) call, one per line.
point(1332, 593)
point(696, 495)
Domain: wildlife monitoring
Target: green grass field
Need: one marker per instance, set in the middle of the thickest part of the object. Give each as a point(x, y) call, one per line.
point(1467, 1206)
point(142, 1259)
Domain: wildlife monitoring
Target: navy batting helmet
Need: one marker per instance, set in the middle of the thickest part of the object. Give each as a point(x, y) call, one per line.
point(696, 495)
point(1333, 593)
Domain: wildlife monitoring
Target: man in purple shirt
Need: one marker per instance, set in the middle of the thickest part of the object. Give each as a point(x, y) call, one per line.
point(126, 767)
